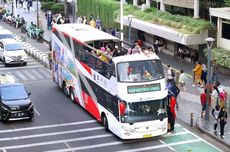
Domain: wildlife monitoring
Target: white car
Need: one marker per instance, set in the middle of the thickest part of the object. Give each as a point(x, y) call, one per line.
point(4, 33)
point(11, 52)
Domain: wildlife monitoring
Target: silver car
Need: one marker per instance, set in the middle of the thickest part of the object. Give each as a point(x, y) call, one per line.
point(11, 52)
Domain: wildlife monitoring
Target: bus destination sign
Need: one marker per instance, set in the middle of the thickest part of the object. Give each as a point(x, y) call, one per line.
point(144, 88)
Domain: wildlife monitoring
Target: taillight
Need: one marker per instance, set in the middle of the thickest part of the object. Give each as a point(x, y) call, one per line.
point(122, 108)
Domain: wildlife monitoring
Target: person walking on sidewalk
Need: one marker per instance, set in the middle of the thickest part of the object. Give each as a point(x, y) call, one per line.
point(172, 87)
point(215, 114)
point(203, 101)
point(170, 74)
point(223, 120)
point(182, 79)
point(215, 72)
point(197, 74)
point(204, 74)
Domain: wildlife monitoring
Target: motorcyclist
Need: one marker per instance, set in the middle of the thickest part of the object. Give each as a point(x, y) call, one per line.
point(17, 21)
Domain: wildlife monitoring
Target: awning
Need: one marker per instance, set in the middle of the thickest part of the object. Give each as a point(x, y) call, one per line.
point(167, 32)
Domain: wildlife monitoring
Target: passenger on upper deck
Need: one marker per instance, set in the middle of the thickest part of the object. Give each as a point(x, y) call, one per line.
point(135, 49)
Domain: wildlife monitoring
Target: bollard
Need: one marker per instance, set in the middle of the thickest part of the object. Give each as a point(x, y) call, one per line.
point(191, 119)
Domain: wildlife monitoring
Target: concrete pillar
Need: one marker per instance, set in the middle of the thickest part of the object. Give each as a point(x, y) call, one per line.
point(219, 31)
point(162, 6)
point(148, 3)
point(196, 9)
point(123, 1)
point(135, 2)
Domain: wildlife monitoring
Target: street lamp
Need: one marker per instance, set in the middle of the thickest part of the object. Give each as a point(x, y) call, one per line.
point(37, 15)
point(209, 41)
point(130, 17)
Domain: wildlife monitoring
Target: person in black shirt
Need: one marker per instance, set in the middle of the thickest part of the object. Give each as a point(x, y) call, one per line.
point(223, 120)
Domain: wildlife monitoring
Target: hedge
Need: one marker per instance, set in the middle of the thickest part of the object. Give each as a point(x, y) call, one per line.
point(221, 56)
point(57, 8)
point(47, 5)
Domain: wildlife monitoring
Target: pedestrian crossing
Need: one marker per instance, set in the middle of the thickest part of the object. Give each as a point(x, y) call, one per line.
point(90, 136)
point(33, 71)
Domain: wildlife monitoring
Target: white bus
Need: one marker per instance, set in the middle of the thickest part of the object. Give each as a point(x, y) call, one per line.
point(127, 93)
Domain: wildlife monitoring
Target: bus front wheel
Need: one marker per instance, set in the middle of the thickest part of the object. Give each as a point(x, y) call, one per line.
point(105, 122)
point(72, 96)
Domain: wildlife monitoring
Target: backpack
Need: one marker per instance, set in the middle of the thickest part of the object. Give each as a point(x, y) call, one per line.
point(173, 73)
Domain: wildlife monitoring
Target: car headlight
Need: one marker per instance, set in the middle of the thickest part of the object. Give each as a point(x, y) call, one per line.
point(5, 108)
point(127, 129)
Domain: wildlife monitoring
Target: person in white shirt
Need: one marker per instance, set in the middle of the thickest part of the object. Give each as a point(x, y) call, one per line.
point(170, 77)
point(182, 80)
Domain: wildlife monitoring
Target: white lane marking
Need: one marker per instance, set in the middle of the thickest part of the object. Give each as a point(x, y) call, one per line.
point(57, 141)
point(203, 140)
point(19, 74)
point(35, 72)
point(48, 126)
point(176, 134)
point(51, 134)
point(45, 72)
point(23, 67)
point(67, 145)
point(37, 112)
point(88, 147)
point(160, 146)
point(29, 75)
point(161, 141)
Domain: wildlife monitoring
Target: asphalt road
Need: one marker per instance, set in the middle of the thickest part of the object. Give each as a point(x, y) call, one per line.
point(60, 125)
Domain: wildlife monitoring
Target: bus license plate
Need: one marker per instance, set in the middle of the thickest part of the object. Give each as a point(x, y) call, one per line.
point(147, 135)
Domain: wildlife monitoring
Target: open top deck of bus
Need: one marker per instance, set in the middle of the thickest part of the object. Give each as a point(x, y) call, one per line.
point(83, 33)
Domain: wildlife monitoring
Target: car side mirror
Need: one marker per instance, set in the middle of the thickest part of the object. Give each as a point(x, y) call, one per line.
point(29, 93)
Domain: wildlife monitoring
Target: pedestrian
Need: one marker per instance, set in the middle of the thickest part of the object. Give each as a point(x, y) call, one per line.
point(92, 23)
point(197, 74)
point(17, 19)
point(28, 6)
point(172, 87)
point(215, 71)
point(204, 74)
point(196, 56)
point(182, 80)
point(170, 74)
point(21, 3)
point(171, 113)
point(223, 115)
point(215, 114)
point(66, 20)
point(98, 23)
point(156, 46)
point(79, 19)
point(50, 59)
point(192, 56)
point(203, 101)
point(24, 5)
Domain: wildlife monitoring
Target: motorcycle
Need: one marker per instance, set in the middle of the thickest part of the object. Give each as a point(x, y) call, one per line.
point(23, 28)
point(39, 34)
point(31, 30)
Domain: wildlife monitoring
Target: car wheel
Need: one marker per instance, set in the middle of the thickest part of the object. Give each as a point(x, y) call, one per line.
point(72, 96)
point(64, 88)
point(105, 122)
point(25, 63)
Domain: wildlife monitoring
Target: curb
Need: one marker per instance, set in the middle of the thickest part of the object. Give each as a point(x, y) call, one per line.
point(211, 135)
point(34, 52)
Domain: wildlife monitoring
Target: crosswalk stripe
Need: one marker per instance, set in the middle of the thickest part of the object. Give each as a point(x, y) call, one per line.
point(36, 73)
point(19, 74)
point(51, 134)
point(57, 141)
point(27, 73)
point(48, 126)
point(45, 72)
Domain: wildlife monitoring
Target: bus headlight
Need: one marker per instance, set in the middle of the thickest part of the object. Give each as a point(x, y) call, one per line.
point(127, 129)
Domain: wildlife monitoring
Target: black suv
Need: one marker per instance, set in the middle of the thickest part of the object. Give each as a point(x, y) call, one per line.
point(15, 103)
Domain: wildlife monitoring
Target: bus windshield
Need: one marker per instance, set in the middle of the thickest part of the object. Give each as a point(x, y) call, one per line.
point(140, 71)
point(144, 111)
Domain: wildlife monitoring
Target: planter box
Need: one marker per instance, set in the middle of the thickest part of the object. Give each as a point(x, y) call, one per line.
point(224, 70)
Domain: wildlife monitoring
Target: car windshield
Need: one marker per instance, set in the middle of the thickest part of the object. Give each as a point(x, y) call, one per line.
point(10, 93)
point(13, 47)
point(5, 36)
point(144, 111)
point(140, 71)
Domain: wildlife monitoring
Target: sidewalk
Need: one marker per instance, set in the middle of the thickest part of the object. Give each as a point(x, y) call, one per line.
point(189, 102)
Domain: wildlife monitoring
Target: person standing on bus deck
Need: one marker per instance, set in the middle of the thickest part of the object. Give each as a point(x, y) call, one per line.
point(98, 23)
point(92, 23)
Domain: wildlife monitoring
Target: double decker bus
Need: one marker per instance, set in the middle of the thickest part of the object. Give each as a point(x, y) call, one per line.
point(126, 93)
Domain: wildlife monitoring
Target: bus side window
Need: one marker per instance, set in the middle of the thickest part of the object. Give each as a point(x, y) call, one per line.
point(68, 42)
